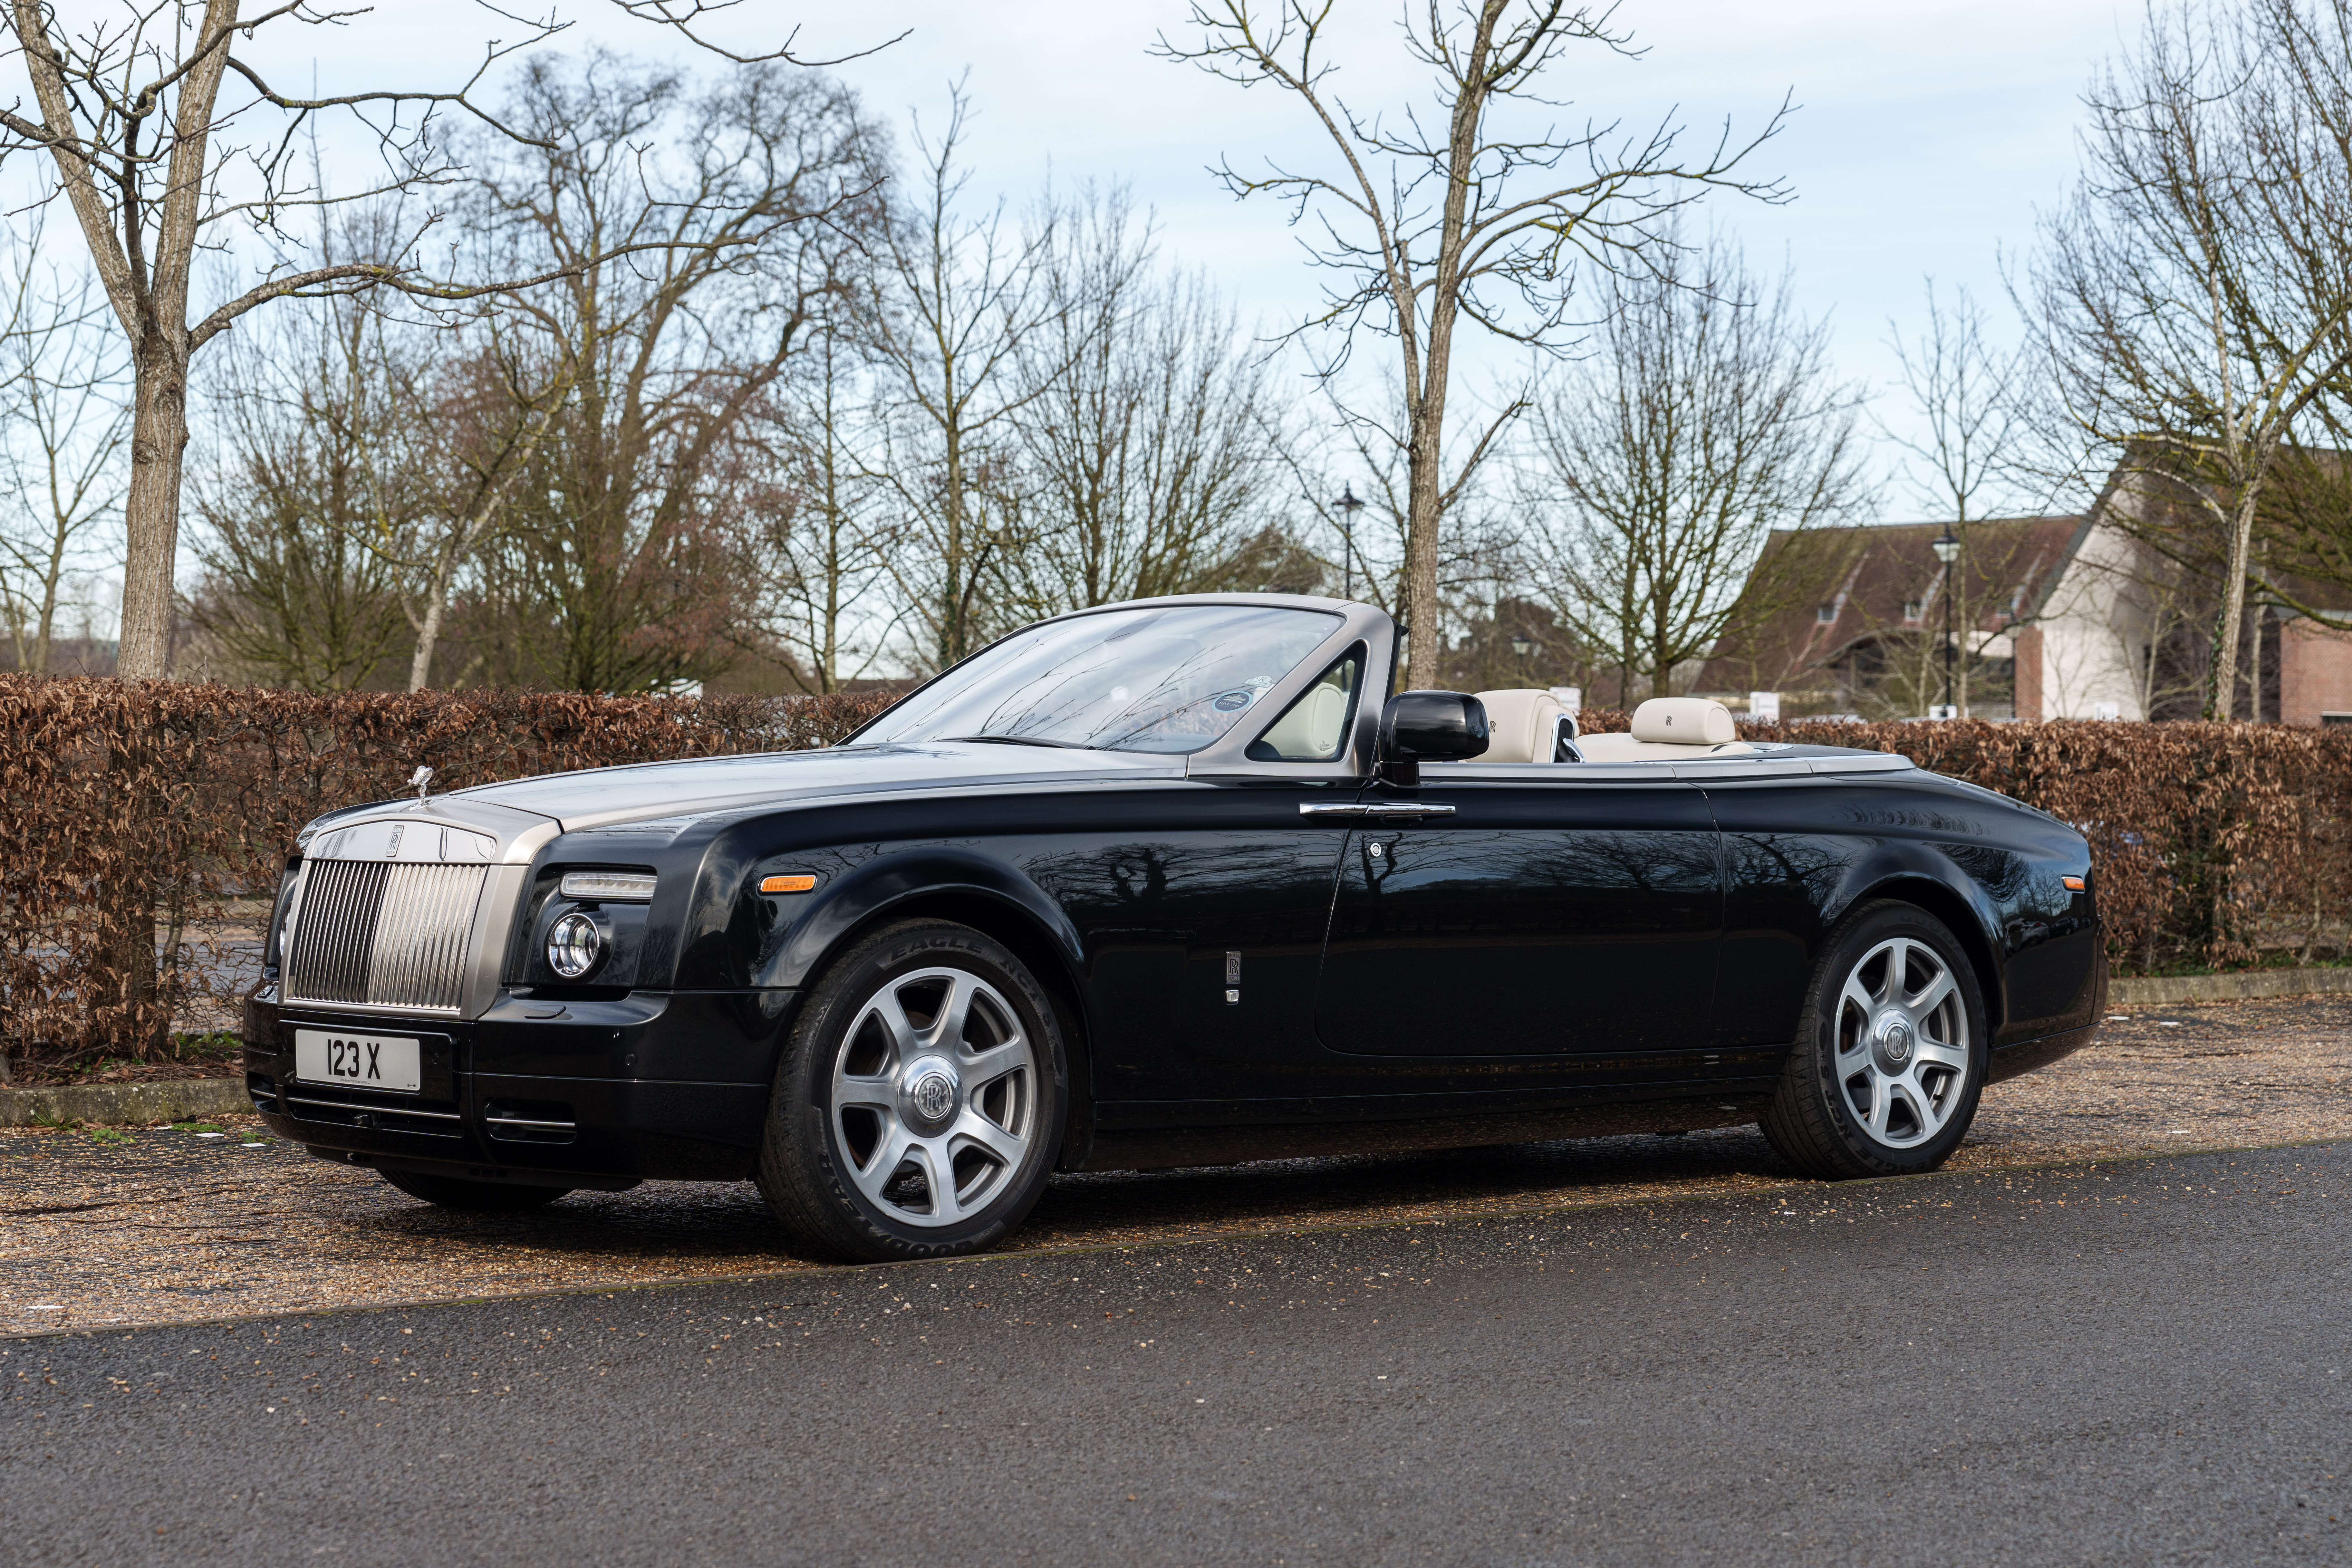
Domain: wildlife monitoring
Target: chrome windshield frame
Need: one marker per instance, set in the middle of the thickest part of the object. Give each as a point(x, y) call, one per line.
point(1226, 756)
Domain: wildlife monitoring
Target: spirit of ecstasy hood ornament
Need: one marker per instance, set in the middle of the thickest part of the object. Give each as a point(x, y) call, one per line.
point(423, 779)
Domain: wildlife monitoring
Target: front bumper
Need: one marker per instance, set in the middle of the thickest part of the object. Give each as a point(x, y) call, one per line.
point(576, 1094)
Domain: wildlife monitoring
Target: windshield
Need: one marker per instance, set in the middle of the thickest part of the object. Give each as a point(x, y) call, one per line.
point(1146, 680)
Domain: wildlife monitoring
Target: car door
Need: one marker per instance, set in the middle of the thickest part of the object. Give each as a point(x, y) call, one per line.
point(1531, 912)
point(1203, 925)
point(1205, 918)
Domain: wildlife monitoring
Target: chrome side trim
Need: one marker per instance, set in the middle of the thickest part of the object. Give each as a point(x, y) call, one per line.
point(1864, 762)
point(1564, 773)
point(1390, 809)
point(1663, 770)
point(369, 1107)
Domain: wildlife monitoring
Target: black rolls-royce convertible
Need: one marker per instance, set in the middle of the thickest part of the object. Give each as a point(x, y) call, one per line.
point(1165, 883)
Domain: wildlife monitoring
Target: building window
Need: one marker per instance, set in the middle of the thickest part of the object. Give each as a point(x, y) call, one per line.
point(1826, 615)
point(1911, 608)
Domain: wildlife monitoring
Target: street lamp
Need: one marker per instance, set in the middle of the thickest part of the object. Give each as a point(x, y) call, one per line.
point(1948, 551)
point(1349, 505)
point(1523, 645)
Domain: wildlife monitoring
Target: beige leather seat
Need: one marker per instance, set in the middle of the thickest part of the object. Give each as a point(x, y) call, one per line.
point(1313, 729)
point(1667, 730)
point(1522, 725)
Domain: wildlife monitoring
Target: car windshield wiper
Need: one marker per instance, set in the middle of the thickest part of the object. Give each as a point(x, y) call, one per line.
point(1023, 740)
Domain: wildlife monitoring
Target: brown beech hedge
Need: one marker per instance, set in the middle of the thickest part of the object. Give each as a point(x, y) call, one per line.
point(135, 813)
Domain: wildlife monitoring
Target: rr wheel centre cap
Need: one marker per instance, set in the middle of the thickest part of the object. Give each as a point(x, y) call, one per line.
point(1893, 1043)
point(928, 1092)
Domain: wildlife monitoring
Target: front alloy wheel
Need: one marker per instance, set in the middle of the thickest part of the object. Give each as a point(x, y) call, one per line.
point(1890, 1055)
point(920, 1101)
point(934, 1097)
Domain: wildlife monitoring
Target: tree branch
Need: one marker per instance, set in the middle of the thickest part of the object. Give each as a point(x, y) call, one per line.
point(682, 14)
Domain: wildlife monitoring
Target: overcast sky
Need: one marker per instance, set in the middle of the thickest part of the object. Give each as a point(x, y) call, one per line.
point(1928, 132)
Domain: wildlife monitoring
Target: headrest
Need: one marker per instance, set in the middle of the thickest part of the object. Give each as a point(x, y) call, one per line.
point(1683, 721)
point(1520, 725)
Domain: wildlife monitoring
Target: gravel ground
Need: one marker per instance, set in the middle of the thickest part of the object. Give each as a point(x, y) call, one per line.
point(171, 1225)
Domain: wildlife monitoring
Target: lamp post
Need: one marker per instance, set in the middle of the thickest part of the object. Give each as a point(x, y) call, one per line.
point(1948, 551)
point(1349, 505)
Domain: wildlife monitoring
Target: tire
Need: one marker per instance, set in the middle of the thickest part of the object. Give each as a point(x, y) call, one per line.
point(927, 1047)
point(478, 1197)
point(1891, 1051)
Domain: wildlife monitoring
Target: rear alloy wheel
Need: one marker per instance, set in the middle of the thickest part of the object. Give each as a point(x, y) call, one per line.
point(481, 1197)
point(1890, 1055)
point(921, 1104)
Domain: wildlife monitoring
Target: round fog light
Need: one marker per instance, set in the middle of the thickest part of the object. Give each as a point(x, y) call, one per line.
point(574, 946)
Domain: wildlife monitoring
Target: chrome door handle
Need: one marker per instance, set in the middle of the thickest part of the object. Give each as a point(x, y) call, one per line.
point(1379, 808)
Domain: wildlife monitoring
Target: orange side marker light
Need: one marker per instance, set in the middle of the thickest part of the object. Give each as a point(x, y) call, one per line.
point(786, 884)
point(2073, 884)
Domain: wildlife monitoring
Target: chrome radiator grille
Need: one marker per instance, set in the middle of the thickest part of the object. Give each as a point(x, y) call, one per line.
point(383, 934)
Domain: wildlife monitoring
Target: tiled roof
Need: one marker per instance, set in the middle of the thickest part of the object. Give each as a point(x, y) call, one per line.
point(1838, 587)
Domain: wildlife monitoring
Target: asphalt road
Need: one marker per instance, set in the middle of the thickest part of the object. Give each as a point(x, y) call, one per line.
point(2147, 1363)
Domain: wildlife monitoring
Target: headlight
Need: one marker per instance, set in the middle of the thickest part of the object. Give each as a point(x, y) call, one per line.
point(574, 946)
point(287, 901)
point(626, 886)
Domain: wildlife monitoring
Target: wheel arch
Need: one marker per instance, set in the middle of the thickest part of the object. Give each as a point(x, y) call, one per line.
point(1019, 916)
point(1959, 916)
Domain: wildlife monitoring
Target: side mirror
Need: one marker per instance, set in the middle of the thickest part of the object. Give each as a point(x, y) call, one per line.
point(1419, 727)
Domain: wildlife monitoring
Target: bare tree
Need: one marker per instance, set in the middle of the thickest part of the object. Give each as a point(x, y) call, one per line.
point(1144, 441)
point(823, 556)
point(62, 431)
point(158, 164)
point(491, 415)
point(1973, 438)
point(325, 456)
point(2194, 295)
point(688, 288)
point(1707, 418)
point(1480, 220)
point(965, 296)
point(131, 118)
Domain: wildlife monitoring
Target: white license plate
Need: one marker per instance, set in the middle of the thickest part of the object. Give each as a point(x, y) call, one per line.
point(360, 1061)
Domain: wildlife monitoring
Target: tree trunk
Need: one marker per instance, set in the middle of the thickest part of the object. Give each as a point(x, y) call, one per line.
point(429, 634)
point(951, 624)
point(828, 678)
point(2254, 667)
point(1418, 611)
point(34, 658)
point(129, 1011)
point(159, 443)
point(1960, 617)
point(2221, 683)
